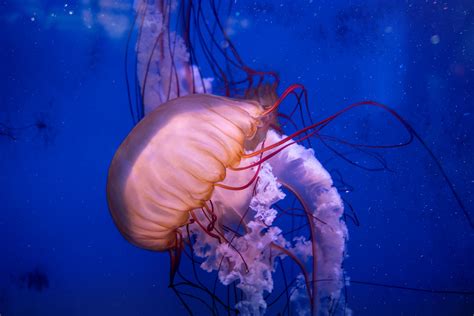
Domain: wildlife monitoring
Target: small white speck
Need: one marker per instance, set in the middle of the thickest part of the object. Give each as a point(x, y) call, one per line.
point(435, 39)
point(32, 19)
point(71, 12)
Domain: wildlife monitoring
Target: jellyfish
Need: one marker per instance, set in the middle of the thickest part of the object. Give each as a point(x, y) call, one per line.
point(193, 160)
point(203, 172)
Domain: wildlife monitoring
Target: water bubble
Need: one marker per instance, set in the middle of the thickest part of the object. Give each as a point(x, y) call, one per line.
point(435, 39)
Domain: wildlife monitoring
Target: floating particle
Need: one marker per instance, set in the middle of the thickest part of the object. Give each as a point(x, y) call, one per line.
point(435, 39)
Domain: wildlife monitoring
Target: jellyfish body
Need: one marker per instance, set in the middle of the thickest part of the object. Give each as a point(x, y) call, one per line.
point(205, 171)
point(199, 150)
point(169, 163)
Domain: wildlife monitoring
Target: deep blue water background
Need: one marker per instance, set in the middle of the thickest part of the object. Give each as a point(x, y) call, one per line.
point(62, 64)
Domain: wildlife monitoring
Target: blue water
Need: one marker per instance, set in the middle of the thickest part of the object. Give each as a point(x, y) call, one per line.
point(64, 111)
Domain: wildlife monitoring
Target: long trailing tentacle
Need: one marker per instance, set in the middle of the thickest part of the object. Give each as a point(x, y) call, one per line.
point(317, 127)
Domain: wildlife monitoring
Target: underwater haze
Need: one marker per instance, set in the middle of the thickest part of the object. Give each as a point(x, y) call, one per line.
point(64, 111)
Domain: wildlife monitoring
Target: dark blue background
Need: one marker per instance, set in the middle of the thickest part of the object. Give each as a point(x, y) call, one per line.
point(62, 64)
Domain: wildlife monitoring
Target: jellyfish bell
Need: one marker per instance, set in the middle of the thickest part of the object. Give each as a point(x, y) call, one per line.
point(170, 162)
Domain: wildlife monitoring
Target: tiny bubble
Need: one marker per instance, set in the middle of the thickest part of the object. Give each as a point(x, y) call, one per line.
point(435, 39)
